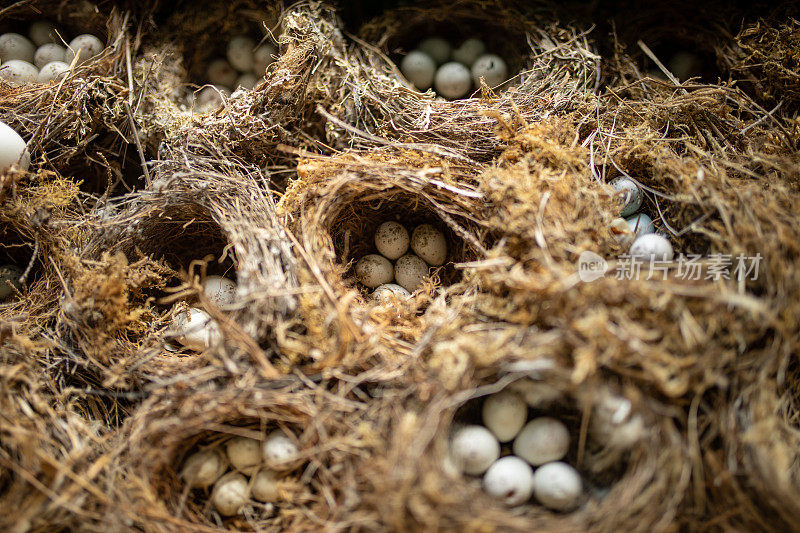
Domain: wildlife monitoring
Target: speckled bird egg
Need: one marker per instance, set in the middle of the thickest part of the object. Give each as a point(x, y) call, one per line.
point(631, 193)
point(557, 486)
point(509, 479)
point(221, 291)
point(373, 270)
point(244, 454)
point(220, 72)
point(279, 450)
point(430, 244)
point(469, 51)
point(15, 46)
point(410, 271)
point(13, 150)
point(265, 486)
point(47, 53)
point(202, 469)
point(9, 274)
point(42, 32)
point(387, 291)
point(263, 56)
point(419, 68)
point(230, 494)
point(542, 440)
point(437, 48)
point(504, 414)
point(240, 53)
point(474, 449)
point(19, 72)
point(84, 47)
point(641, 224)
point(491, 68)
point(195, 329)
point(452, 80)
point(652, 246)
point(392, 240)
point(52, 72)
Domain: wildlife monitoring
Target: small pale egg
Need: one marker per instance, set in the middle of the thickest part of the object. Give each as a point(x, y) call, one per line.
point(230, 494)
point(47, 53)
point(196, 331)
point(652, 246)
point(202, 469)
point(84, 47)
point(474, 449)
point(640, 224)
point(373, 270)
point(221, 291)
point(13, 150)
point(685, 65)
point(42, 32)
point(247, 81)
point(621, 229)
point(452, 80)
point(410, 271)
point(19, 72)
point(509, 479)
point(632, 194)
point(504, 414)
point(15, 46)
point(278, 450)
point(419, 68)
point(437, 48)
point(209, 98)
point(265, 486)
point(52, 72)
point(220, 72)
point(557, 486)
point(430, 244)
point(491, 68)
point(392, 240)
point(387, 291)
point(469, 51)
point(244, 454)
point(240, 53)
point(9, 274)
point(262, 58)
point(542, 440)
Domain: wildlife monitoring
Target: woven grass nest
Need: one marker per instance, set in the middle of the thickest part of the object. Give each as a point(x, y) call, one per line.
point(680, 395)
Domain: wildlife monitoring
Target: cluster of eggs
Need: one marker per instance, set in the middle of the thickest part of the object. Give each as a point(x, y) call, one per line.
point(452, 72)
point(255, 466)
point(541, 442)
point(194, 328)
point(376, 271)
point(40, 58)
point(245, 63)
point(647, 244)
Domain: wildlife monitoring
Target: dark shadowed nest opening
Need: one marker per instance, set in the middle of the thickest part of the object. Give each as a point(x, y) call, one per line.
point(18, 251)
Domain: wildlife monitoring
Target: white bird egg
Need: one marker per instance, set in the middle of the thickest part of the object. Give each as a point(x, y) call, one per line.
point(641, 224)
point(410, 271)
point(474, 449)
point(15, 46)
point(47, 53)
point(13, 150)
point(247, 81)
point(221, 291)
point(278, 450)
point(542, 440)
point(652, 246)
point(263, 57)
point(392, 240)
point(419, 68)
point(220, 72)
point(202, 469)
point(504, 414)
point(469, 51)
point(387, 291)
point(52, 72)
point(557, 486)
point(230, 494)
point(195, 329)
point(491, 68)
point(631, 193)
point(209, 98)
point(509, 479)
point(437, 48)
point(265, 486)
point(19, 72)
point(42, 32)
point(373, 270)
point(240, 53)
point(9, 274)
point(429, 244)
point(452, 80)
point(244, 454)
point(85, 47)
